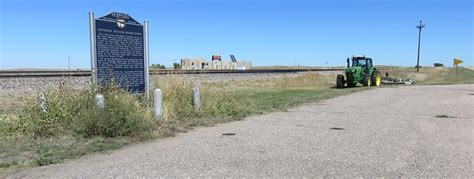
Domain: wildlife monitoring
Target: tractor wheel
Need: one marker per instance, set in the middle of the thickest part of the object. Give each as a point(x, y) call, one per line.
point(340, 81)
point(376, 78)
point(366, 81)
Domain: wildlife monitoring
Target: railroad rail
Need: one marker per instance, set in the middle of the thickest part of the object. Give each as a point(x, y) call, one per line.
point(74, 73)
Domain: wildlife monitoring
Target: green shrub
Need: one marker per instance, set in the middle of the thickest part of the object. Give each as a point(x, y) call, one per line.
point(438, 65)
point(60, 110)
point(159, 66)
point(72, 111)
point(123, 115)
point(216, 103)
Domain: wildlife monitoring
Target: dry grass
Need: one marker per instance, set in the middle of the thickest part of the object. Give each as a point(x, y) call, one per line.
point(300, 81)
point(435, 75)
point(177, 97)
point(12, 101)
point(179, 114)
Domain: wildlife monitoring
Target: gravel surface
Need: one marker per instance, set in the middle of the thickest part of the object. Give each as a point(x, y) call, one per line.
point(14, 92)
point(386, 132)
point(37, 84)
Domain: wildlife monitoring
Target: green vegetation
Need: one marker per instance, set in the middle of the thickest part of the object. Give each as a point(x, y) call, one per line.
point(159, 66)
point(176, 66)
point(72, 126)
point(69, 111)
point(281, 100)
point(438, 65)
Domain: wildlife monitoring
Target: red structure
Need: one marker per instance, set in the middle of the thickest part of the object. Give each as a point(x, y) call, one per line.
point(216, 58)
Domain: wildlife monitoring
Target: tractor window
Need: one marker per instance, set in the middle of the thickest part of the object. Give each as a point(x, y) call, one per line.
point(359, 62)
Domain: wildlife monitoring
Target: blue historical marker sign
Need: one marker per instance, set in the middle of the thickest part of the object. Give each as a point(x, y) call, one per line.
point(120, 57)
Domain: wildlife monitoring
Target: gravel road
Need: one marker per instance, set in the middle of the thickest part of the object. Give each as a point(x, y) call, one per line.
point(386, 132)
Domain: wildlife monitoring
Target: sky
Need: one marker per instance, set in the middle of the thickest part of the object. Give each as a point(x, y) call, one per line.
point(44, 33)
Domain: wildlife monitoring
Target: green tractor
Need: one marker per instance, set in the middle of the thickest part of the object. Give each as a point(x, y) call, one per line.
point(362, 71)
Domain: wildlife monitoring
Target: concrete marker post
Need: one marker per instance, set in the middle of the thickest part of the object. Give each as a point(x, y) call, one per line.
point(197, 99)
point(158, 105)
point(42, 102)
point(100, 101)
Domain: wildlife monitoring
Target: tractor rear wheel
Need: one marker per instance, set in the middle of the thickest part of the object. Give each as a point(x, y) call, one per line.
point(366, 81)
point(376, 78)
point(340, 81)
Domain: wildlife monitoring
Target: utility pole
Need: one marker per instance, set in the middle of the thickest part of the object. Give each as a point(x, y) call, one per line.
point(419, 39)
point(69, 63)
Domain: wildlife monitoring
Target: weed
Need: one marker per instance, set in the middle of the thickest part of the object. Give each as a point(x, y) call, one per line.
point(70, 111)
point(7, 164)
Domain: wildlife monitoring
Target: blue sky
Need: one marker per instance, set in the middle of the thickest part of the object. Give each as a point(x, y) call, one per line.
point(42, 34)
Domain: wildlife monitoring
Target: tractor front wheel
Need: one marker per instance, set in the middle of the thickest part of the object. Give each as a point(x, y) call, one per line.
point(376, 78)
point(340, 81)
point(366, 81)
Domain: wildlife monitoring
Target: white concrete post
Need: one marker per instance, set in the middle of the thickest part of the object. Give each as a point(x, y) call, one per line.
point(100, 101)
point(42, 102)
point(197, 99)
point(158, 105)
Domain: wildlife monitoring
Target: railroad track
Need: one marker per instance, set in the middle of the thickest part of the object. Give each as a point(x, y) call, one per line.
point(59, 73)
point(48, 73)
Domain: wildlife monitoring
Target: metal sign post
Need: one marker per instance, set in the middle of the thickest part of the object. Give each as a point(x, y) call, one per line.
point(457, 67)
point(92, 41)
point(146, 63)
point(456, 62)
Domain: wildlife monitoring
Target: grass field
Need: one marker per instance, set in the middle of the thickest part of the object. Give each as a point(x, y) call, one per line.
point(222, 102)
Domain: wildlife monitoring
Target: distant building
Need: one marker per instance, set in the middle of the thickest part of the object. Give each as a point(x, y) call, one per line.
point(201, 64)
point(194, 64)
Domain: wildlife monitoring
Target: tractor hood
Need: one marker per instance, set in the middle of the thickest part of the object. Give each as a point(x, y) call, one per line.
point(353, 69)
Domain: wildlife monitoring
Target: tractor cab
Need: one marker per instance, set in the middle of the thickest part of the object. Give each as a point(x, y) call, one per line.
point(360, 62)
